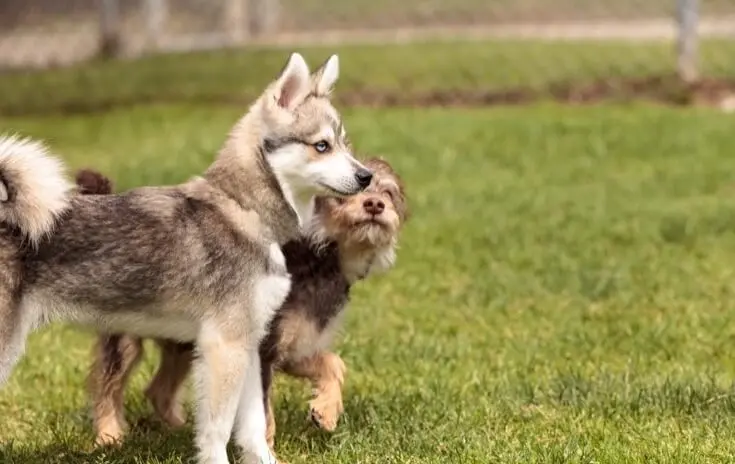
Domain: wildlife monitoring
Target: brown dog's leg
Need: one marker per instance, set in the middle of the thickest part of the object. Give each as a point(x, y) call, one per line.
point(266, 377)
point(115, 357)
point(326, 372)
point(270, 431)
point(164, 391)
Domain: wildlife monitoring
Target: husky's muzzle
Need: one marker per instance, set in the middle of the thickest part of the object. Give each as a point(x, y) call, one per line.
point(363, 177)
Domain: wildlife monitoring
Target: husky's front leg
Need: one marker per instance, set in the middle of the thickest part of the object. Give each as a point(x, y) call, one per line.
point(219, 369)
point(269, 294)
point(250, 432)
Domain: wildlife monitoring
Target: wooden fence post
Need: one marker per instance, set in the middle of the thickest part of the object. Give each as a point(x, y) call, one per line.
point(110, 30)
point(236, 12)
point(687, 18)
point(156, 14)
point(264, 17)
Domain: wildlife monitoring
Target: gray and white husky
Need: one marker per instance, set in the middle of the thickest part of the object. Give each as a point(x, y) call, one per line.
point(200, 261)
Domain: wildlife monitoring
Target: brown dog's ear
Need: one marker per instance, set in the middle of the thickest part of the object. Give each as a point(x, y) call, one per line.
point(93, 183)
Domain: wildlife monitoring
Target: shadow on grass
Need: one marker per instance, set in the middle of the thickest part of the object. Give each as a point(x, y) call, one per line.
point(148, 441)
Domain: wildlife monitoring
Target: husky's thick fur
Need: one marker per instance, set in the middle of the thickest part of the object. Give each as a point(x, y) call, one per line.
point(347, 240)
point(198, 262)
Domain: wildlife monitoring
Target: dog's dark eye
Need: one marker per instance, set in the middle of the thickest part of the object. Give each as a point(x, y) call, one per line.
point(390, 194)
point(322, 146)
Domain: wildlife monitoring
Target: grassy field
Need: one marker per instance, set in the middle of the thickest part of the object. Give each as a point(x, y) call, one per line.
point(563, 292)
point(406, 72)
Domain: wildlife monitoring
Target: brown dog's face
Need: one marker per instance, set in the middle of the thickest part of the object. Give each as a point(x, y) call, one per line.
point(371, 218)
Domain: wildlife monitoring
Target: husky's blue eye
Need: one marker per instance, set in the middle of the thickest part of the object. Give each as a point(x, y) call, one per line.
point(322, 146)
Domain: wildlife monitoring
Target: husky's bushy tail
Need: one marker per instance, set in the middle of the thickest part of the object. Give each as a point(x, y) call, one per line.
point(33, 188)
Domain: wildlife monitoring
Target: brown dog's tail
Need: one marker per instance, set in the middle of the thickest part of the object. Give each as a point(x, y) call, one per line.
point(93, 183)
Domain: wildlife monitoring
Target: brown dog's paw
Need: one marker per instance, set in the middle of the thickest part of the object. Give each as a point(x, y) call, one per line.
point(174, 417)
point(169, 410)
point(109, 438)
point(325, 410)
point(110, 430)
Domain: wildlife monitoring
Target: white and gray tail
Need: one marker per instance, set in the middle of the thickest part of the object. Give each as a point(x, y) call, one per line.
point(33, 188)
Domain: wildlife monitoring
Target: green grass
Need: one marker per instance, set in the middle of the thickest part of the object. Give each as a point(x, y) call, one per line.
point(563, 294)
point(406, 71)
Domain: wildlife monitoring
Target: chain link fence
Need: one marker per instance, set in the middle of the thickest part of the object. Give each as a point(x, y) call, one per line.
point(695, 38)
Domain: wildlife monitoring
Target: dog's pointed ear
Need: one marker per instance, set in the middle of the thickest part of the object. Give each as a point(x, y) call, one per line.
point(326, 76)
point(292, 85)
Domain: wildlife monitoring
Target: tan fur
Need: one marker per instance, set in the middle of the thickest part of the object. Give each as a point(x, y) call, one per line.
point(300, 336)
point(326, 372)
point(163, 392)
point(270, 431)
point(109, 394)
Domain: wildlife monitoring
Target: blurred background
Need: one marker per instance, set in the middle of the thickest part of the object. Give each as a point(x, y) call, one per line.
point(512, 50)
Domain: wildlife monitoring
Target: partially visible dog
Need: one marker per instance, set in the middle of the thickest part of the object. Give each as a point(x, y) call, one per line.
point(347, 239)
point(196, 262)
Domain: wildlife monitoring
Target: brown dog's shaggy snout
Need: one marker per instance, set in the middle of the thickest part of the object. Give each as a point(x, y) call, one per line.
point(373, 205)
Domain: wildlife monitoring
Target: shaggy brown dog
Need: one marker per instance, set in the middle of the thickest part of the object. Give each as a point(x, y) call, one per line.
point(346, 240)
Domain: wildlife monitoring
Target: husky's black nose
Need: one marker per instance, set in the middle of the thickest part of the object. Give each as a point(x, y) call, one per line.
point(363, 177)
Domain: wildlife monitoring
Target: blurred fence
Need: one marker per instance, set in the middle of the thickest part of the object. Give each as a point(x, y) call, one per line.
point(52, 33)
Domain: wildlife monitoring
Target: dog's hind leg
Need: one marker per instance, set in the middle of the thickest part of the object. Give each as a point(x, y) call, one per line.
point(164, 391)
point(13, 334)
point(16, 321)
point(114, 360)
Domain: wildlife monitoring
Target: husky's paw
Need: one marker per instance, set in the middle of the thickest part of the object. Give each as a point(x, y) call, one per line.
point(250, 458)
point(325, 410)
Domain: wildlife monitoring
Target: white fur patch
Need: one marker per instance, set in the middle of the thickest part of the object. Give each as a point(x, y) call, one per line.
point(276, 255)
point(374, 261)
point(337, 172)
point(270, 293)
point(250, 427)
point(327, 133)
point(36, 190)
point(289, 166)
point(169, 321)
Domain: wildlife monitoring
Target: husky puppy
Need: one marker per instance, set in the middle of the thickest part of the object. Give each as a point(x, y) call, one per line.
point(197, 262)
point(348, 239)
